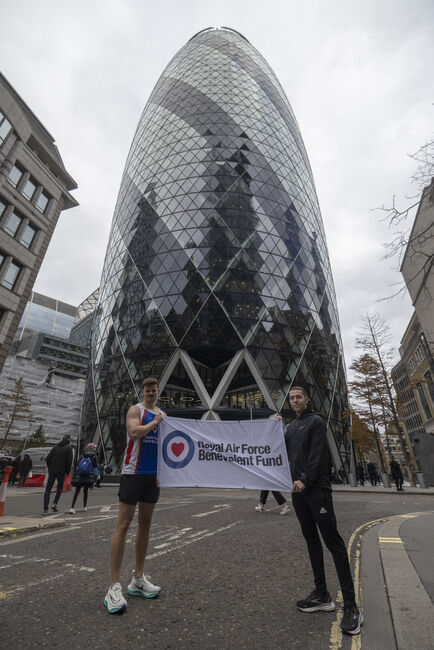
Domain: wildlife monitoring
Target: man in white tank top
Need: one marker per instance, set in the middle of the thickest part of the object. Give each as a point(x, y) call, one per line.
point(138, 485)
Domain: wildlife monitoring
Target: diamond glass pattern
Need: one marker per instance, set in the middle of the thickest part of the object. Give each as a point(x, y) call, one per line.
point(217, 245)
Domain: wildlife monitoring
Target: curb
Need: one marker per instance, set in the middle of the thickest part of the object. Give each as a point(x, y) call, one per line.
point(13, 532)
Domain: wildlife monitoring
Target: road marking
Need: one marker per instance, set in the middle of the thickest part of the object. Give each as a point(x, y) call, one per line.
point(192, 540)
point(18, 540)
point(105, 509)
point(390, 540)
point(225, 506)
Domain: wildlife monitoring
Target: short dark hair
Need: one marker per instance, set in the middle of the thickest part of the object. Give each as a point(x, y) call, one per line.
point(303, 390)
point(149, 381)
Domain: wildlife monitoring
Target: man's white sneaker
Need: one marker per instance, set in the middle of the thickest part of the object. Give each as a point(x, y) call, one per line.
point(285, 509)
point(114, 600)
point(143, 587)
point(72, 511)
point(259, 508)
point(84, 509)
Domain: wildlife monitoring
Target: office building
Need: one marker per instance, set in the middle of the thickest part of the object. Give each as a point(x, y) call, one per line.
point(34, 189)
point(216, 278)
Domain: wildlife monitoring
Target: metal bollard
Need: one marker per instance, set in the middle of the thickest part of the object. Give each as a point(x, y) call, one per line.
point(3, 488)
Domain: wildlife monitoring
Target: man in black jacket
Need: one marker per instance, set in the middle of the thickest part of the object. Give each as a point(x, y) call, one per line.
point(306, 441)
point(59, 461)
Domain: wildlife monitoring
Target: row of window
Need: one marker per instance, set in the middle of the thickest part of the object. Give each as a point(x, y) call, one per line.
point(5, 128)
point(10, 277)
point(416, 359)
point(29, 188)
point(24, 235)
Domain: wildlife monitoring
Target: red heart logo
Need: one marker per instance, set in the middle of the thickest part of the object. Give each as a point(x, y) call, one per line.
point(177, 448)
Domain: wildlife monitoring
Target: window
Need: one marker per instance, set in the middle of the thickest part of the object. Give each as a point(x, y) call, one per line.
point(411, 366)
point(424, 401)
point(15, 175)
point(41, 203)
point(29, 189)
point(5, 128)
point(419, 355)
point(11, 275)
point(28, 236)
point(12, 224)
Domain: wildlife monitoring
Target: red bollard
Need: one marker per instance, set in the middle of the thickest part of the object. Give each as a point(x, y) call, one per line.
point(3, 488)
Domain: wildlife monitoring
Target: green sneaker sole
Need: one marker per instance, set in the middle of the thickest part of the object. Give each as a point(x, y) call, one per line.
point(114, 611)
point(138, 592)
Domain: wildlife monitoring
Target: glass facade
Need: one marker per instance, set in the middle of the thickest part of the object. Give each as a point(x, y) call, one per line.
point(44, 314)
point(216, 278)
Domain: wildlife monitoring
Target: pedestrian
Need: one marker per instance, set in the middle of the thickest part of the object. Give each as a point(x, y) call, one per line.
point(360, 474)
point(59, 461)
point(279, 498)
point(372, 473)
point(15, 469)
point(396, 472)
point(138, 484)
point(306, 439)
point(25, 469)
point(100, 477)
point(84, 476)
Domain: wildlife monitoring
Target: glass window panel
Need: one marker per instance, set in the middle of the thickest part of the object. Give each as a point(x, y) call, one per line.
point(12, 224)
point(5, 128)
point(11, 275)
point(28, 236)
point(15, 175)
point(29, 189)
point(41, 203)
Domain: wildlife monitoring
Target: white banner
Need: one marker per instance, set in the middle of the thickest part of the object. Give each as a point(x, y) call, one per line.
point(208, 453)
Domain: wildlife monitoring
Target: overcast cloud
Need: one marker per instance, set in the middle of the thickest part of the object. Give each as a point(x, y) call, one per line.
point(357, 74)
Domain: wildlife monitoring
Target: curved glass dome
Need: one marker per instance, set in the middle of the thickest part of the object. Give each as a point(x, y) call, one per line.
point(216, 278)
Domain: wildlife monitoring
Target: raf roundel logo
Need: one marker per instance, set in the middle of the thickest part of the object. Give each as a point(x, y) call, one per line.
point(177, 450)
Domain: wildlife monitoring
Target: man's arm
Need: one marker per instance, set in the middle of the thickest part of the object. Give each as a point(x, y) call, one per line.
point(49, 457)
point(135, 429)
point(316, 451)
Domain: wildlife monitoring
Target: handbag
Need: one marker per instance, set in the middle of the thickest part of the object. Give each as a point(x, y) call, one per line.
point(30, 474)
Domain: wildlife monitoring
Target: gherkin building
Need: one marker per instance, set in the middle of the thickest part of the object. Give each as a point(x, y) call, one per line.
point(216, 278)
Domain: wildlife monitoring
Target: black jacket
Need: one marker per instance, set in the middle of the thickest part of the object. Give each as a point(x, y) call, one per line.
point(26, 466)
point(306, 444)
point(395, 469)
point(86, 479)
point(59, 459)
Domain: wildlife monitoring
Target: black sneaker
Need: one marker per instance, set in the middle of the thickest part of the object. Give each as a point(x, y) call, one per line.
point(54, 507)
point(316, 602)
point(352, 619)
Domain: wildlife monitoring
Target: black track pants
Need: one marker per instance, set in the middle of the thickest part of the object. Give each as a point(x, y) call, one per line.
point(277, 495)
point(314, 510)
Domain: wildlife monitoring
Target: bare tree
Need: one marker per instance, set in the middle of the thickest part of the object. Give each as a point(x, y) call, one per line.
point(401, 217)
point(374, 338)
point(14, 406)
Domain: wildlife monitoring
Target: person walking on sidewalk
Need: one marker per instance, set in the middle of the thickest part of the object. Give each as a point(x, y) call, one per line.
point(16, 463)
point(396, 472)
point(59, 461)
point(138, 484)
point(306, 440)
point(84, 476)
point(25, 469)
point(281, 501)
point(360, 474)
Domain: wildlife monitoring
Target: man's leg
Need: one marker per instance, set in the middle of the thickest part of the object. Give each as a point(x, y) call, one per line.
point(146, 510)
point(310, 534)
point(60, 478)
point(50, 483)
point(322, 509)
point(117, 546)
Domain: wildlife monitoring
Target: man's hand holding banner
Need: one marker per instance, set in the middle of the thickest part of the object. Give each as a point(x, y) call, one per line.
point(209, 453)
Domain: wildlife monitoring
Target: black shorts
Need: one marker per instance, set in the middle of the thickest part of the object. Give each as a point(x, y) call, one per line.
point(142, 487)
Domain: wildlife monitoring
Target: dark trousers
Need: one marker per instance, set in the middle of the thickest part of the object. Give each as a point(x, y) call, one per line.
point(277, 495)
point(76, 493)
point(22, 480)
point(314, 510)
point(50, 482)
point(398, 483)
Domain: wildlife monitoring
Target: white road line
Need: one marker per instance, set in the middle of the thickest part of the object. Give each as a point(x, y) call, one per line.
point(192, 541)
point(213, 512)
point(105, 509)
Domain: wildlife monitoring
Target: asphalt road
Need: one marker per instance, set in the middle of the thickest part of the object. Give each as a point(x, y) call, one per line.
point(230, 575)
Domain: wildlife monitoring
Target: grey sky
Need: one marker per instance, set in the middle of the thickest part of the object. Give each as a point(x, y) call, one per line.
point(357, 74)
